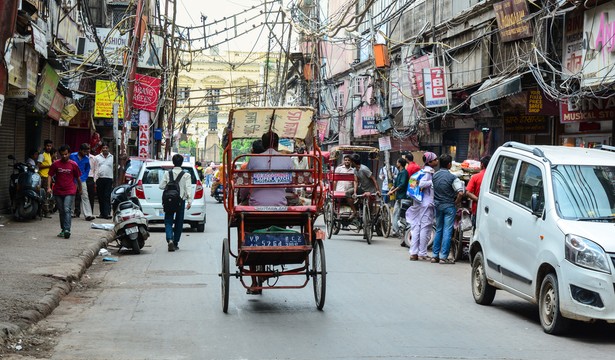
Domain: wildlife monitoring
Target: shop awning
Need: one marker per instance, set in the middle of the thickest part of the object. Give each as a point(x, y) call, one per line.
point(496, 88)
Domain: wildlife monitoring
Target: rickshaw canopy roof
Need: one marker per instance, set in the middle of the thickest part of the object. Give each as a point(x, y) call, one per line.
point(337, 151)
point(287, 122)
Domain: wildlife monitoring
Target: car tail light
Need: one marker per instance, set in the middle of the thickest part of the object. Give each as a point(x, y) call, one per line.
point(198, 192)
point(139, 190)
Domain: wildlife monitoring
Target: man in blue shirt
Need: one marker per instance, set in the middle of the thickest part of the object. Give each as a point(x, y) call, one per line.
point(82, 202)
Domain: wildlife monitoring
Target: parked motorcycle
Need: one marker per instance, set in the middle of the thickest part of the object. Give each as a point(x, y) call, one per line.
point(219, 193)
point(25, 190)
point(130, 225)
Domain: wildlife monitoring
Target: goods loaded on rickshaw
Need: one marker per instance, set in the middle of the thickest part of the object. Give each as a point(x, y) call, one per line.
point(272, 203)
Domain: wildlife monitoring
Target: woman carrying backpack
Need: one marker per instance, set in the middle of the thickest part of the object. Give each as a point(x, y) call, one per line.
point(176, 198)
point(420, 215)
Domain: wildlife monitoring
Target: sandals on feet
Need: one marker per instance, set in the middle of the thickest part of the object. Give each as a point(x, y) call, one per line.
point(435, 260)
point(447, 261)
point(414, 257)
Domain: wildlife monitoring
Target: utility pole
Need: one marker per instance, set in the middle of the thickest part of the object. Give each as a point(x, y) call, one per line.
point(175, 61)
point(8, 16)
point(130, 86)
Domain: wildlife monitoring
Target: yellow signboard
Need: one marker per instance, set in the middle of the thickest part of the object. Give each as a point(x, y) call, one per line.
point(106, 95)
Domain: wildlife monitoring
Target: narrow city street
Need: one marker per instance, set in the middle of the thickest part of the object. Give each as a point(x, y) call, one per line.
point(161, 305)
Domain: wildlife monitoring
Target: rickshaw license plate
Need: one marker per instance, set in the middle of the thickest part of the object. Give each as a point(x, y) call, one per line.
point(273, 239)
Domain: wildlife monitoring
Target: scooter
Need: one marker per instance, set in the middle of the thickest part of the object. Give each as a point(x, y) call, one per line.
point(130, 225)
point(219, 193)
point(25, 190)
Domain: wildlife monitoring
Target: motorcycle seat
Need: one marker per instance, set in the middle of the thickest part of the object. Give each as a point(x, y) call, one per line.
point(126, 205)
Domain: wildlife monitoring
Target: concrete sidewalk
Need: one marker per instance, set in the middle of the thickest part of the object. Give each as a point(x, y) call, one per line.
point(37, 268)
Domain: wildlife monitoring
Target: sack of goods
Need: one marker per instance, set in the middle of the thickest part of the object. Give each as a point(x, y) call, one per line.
point(171, 199)
point(414, 191)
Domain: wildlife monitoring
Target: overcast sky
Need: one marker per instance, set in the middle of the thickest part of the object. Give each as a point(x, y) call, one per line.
point(189, 14)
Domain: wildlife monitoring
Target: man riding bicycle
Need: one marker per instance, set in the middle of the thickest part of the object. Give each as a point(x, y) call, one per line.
point(364, 182)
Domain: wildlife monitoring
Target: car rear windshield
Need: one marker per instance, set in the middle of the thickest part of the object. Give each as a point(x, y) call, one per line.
point(135, 166)
point(153, 175)
point(584, 192)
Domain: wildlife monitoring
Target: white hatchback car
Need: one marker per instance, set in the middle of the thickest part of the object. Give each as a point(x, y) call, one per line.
point(150, 195)
point(544, 232)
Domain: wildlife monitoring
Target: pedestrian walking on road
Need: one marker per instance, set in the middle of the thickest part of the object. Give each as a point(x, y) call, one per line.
point(67, 185)
point(82, 200)
point(400, 185)
point(174, 221)
point(103, 177)
point(420, 215)
point(448, 191)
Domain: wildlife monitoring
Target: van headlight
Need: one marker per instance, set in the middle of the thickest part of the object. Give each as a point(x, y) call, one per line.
point(586, 253)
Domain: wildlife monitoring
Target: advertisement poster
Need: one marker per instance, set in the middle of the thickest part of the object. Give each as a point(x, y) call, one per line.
point(106, 95)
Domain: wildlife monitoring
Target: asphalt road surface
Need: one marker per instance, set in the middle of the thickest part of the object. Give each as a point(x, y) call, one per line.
point(379, 305)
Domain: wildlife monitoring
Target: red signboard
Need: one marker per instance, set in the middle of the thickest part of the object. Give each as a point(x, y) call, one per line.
point(146, 93)
point(415, 74)
point(588, 110)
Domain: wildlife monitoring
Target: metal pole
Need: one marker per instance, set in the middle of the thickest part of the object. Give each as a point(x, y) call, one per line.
point(130, 87)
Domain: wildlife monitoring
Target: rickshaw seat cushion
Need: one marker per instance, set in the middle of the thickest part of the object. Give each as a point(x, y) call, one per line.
point(339, 194)
point(290, 209)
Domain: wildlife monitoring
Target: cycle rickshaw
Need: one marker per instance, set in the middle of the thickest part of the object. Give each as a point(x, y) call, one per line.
point(338, 215)
point(273, 242)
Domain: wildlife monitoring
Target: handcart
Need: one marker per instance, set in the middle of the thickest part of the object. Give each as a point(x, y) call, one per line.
point(273, 242)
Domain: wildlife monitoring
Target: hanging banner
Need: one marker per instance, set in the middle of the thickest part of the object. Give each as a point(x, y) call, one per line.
point(147, 89)
point(39, 37)
point(436, 93)
point(69, 112)
point(323, 129)
point(415, 75)
point(46, 90)
point(144, 138)
point(106, 95)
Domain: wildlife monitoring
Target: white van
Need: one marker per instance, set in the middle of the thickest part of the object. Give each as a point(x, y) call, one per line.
point(545, 232)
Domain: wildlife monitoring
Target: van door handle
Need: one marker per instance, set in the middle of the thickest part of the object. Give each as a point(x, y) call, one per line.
point(487, 209)
point(509, 221)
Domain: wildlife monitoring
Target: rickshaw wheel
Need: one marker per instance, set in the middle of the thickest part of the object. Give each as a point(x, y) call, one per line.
point(319, 273)
point(329, 219)
point(385, 220)
point(367, 223)
point(455, 245)
point(224, 274)
point(336, 227)
point(458, 239)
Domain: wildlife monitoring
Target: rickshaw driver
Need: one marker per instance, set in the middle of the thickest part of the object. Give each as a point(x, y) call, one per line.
point(266, 196)
point(364, 181)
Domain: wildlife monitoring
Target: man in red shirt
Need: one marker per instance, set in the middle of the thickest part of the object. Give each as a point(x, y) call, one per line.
point(67, 184)
point(473, 188)
point(411, 167)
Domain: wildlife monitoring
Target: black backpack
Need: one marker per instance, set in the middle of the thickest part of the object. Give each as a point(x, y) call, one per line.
point(171, 199)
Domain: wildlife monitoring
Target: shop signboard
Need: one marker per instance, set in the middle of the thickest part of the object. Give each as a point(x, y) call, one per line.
point(436, 92)
point(365, 121)
point(146, 92)
point(525, 124)
point(46, 89)
point(57, 106)
point(586, 109)
point(144, 135)
point(572, 47)
point(510, 15)
point(598, 54)
point(32, 70)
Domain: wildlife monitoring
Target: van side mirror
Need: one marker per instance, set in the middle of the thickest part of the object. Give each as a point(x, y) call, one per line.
point(536, 205)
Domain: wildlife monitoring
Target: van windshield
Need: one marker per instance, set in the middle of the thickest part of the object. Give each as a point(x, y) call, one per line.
point(584, 192)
